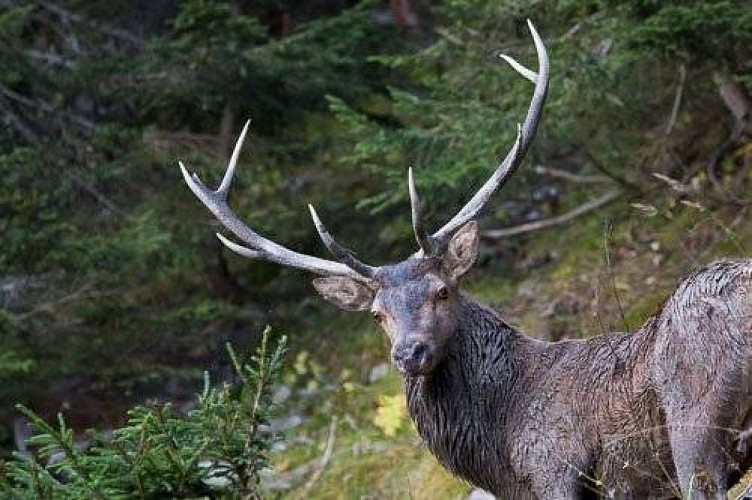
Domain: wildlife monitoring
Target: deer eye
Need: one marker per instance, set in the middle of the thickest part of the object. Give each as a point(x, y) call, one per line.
point(378, 316)
point(442, 293)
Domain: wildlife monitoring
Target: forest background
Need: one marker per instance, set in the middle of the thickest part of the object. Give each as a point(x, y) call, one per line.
point(114, 291)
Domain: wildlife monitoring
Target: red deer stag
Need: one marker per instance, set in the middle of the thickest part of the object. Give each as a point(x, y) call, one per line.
point(643, 414)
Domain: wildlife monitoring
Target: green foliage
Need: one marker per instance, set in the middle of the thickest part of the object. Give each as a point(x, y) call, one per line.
point(610, 87)
point(216, 449)
point(215, 57)
point(391, 414)
point(11, 364)
point(113, 272)
point(699, 29)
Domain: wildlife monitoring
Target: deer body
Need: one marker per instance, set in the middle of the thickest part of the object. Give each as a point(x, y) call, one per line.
point(518, 416)
point(525, 418)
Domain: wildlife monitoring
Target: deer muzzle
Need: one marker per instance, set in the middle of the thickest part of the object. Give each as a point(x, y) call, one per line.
point(412, 358)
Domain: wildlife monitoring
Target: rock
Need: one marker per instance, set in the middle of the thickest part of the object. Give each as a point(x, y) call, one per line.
point(286, 423)
point(378, 372)
point(281, 394)
point(281, 481)
point(16, 290)
point(220, 475)
point(478, 494)
point(21, 432)
point(275, 481)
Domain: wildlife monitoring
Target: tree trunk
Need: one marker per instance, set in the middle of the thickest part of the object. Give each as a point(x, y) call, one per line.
point(405, 16)
point(222, 281)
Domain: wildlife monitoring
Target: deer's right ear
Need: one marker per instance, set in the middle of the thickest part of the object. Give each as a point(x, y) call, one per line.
point(344, 292)
point(462, 251)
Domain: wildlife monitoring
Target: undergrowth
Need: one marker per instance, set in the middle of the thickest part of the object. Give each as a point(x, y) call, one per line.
point(215, 450)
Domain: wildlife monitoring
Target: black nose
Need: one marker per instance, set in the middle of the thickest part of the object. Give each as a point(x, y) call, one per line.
point(411, 358)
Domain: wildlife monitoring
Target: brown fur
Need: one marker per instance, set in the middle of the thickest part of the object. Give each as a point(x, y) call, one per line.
point(648, 414)
point(642, 414)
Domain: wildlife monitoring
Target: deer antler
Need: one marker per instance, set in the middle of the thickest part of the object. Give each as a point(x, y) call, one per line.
point(262, 248)
point(259, 247)
point(425, 240)
point(432, 244)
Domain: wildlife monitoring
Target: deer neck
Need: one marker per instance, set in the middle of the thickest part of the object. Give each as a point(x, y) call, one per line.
point(459, 410)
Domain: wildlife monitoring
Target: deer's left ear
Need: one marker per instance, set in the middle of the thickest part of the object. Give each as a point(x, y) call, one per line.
point(462, 251)
point(344, 292)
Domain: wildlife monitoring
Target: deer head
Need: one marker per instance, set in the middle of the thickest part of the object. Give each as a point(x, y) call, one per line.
point(415, 301)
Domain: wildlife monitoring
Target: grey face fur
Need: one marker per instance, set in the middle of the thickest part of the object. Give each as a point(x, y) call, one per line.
point(415, 301)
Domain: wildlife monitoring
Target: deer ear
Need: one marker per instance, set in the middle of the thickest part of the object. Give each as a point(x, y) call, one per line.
point(344, 292)
point(462, 251)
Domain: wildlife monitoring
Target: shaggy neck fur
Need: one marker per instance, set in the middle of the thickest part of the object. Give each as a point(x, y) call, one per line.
point(456, 408)
point(642, 412)
point(487, 411)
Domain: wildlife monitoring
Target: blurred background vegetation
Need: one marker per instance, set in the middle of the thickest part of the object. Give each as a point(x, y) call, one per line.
point(115, 292)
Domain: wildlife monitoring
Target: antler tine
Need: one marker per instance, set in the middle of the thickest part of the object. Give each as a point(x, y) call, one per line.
point(342, 253)
point(224, 186)
point(421, 235)
point(529, 74)
point(258, 246)
point(525, 134)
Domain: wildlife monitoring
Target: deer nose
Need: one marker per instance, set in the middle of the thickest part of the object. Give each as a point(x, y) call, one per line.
point(411, 358)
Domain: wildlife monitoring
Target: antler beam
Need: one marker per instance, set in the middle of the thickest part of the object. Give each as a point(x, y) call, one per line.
point(513, 159)
point(424, 239)
point(258, 247)
point(262, 248)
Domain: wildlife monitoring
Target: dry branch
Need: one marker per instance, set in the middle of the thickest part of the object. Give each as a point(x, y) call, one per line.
point(677, 100)
point(324, 458)
point(553, 221)
point(101, 198)
point(739, 105)
point(49, 57)
point(736, 100)
point(112, 31)
point(45, 107)
point(569, 176)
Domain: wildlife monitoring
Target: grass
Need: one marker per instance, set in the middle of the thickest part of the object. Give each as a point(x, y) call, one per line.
point(366, 461)
point(400, 469)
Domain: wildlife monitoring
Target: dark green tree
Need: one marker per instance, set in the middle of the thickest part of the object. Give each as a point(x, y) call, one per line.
point(110, 272)
point(217, 449)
